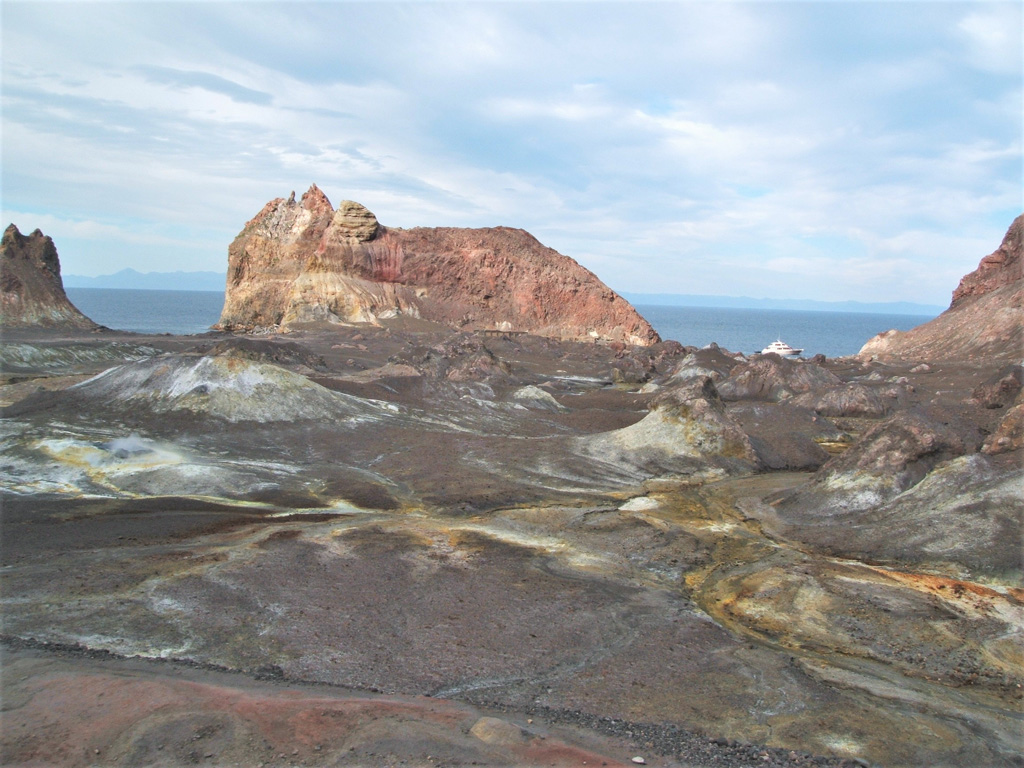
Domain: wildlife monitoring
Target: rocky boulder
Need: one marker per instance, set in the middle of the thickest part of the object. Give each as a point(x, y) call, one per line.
point(461, 357)
point(787, 437)
point(773, 378)
point(854, 400)
point(302, 261)
point(687, 431)
point(636, 365)
point(889, 458)
point(984, 320)
point(1000, 389)
point(1009, 435)
point(31, 290)
point(710, 361)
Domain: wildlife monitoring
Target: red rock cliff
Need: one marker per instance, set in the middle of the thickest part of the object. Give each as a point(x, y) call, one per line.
point(31, 291)
point(1001, 267)
point(302, 261)
point(984, 320)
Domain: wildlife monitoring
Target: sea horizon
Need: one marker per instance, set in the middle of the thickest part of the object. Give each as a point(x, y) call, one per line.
point(737, 329)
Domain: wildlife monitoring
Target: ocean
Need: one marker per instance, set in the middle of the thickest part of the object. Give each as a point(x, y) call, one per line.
point(175, 312)
point(832, 334)
point(739, 330)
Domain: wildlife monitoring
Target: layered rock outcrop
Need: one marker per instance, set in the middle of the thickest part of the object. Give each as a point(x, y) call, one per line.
point(31, 291)
point(985, 317)
point(303, 261)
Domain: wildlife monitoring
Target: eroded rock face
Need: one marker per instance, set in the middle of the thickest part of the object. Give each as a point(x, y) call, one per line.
point(30, 285)
point(302, 261)
point(985, 318)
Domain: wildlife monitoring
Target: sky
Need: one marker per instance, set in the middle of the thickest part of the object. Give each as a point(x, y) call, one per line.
point(865, 151)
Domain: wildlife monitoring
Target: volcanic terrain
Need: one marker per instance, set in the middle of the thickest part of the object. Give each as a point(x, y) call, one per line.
point(399, 542)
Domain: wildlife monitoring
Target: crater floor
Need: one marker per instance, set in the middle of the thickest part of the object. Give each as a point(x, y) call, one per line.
point(386, 546)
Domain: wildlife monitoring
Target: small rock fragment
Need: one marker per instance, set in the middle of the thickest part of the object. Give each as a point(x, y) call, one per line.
point(492, 730)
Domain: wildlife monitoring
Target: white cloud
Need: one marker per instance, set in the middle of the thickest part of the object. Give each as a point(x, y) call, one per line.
point(993, 38)
point(698, 143)
point(86, 229)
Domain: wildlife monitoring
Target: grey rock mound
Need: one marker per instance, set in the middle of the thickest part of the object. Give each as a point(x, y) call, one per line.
point(709, 361)
point(889, 458)
point(787, 437)
point(282, 353)
point(460, 358)
point(687, 431)
point(963, 513)
point(965, 518)
point(855, 400)
point(229, 388)
point(770, 377)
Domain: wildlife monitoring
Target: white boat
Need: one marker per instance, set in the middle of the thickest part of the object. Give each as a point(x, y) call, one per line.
point(781, 348)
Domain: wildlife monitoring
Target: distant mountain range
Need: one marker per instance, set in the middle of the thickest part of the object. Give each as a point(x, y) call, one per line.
point(150, 281)
point(214, 281)
point(746, 302)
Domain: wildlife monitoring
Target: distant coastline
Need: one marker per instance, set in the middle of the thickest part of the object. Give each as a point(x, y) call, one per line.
point(131, 279)
point(811, 305)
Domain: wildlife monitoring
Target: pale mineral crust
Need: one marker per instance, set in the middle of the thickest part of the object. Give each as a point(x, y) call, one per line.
point(31, 291)
point(984, 320)
point(302, 261)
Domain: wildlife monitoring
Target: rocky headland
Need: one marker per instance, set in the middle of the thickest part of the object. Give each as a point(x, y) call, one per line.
point(302, 261)
point(377, 539)
point(31, 291)
point(985, 319)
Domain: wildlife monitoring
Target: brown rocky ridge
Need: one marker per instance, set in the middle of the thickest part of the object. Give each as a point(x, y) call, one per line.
point(984, 319)
point(31, 291)
point(303, 261)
